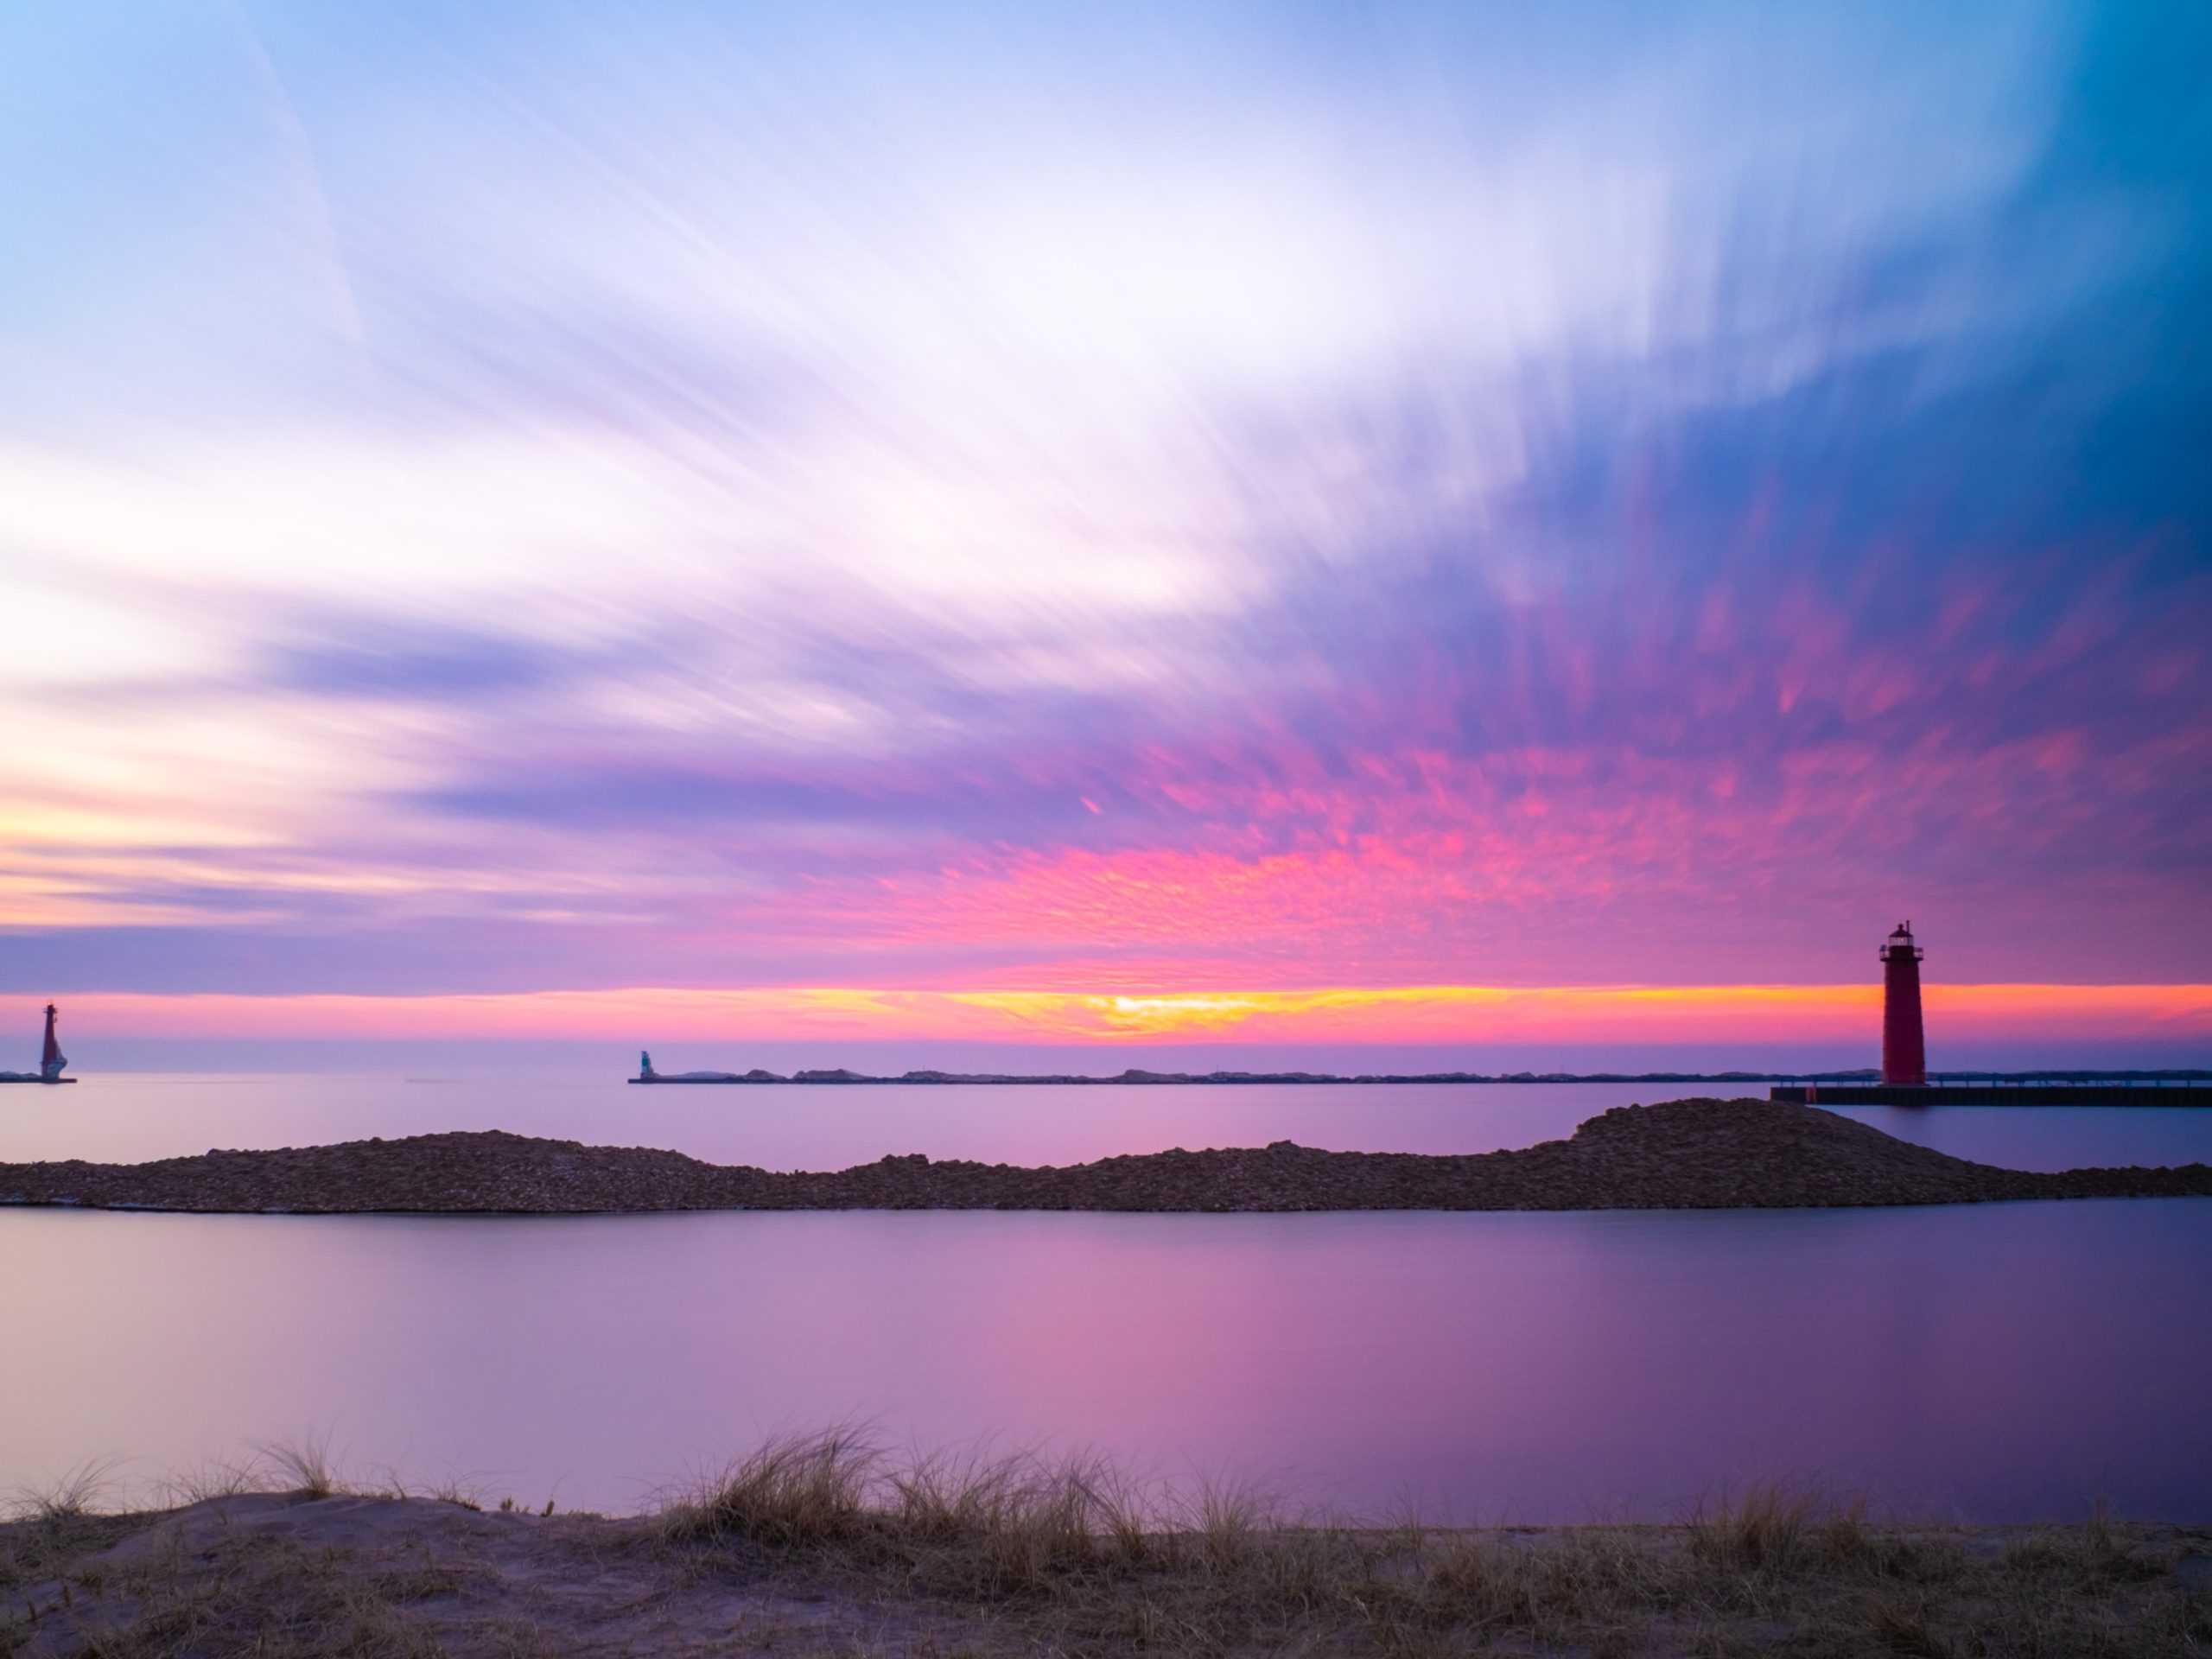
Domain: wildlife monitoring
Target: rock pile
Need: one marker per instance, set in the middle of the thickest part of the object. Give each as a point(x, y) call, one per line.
point(1683, 1155)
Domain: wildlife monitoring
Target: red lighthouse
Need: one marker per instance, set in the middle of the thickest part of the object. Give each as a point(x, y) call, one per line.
point(1904, 1052)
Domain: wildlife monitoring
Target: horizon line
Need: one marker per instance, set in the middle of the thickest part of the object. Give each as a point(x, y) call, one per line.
point(1359, 1016)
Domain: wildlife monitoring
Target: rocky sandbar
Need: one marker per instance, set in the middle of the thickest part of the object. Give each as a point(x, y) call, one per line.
point(1681, 1155)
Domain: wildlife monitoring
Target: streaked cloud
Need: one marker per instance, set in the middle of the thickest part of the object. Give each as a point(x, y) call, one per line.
point(956, 498)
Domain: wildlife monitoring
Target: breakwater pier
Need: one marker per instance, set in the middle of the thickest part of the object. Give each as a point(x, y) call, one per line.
point(2038, 1092)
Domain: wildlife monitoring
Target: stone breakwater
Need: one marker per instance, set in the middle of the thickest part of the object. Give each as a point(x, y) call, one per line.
point(1686, 1154)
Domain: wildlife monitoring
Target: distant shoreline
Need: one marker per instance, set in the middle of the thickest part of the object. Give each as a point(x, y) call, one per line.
point(1135, 1077)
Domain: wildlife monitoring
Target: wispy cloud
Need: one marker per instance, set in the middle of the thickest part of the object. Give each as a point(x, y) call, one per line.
point(973, 500)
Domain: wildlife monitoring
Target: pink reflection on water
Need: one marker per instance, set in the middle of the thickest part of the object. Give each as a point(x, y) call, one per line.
point(1998, 1362)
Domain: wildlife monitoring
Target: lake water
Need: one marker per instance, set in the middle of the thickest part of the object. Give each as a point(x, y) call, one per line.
point(127, 1117)
point(1996, 1362)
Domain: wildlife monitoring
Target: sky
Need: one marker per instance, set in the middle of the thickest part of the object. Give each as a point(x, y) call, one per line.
point(1413, 522)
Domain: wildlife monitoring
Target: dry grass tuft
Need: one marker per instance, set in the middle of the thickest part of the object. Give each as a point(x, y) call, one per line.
point(76, 1492)
point(1763, 1527)
point(969, 1524)
point(1018, 1521)
point(1777, 1526)
point(303, 1465)
point(215, 1478)
point(795, 1490)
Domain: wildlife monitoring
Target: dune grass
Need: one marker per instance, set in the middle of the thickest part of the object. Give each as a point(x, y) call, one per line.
point(988, 1555)
point(1083, 1559)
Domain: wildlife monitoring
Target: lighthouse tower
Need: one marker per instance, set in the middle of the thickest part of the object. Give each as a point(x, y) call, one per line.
point(51, 1059)
point(1904, 1052)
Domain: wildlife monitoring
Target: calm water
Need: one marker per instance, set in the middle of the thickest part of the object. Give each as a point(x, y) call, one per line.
point(127, 1117)
point(1996, 1362)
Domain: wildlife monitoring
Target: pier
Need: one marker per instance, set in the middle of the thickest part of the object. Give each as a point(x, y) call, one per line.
point(1905, 1081)
point(2153, 1092)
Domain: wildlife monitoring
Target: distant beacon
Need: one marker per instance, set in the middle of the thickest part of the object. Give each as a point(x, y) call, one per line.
point(1904, 1052)
point(52, 1062)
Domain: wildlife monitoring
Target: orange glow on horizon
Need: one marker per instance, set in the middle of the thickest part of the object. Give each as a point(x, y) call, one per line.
point(1433, 1013)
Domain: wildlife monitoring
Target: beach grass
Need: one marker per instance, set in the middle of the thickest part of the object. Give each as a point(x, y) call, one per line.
point(829, 1543)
